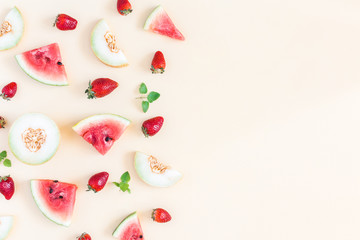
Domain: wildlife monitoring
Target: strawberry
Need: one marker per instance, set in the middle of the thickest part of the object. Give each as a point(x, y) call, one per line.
point(84, 236)
point(9, 91)
point(101, 87)
point(7, 187)
point(65, 22)
point(124, 7)
point(158, 63)
point(160, 215)
point(97, 182)
point(2, 122)
point(152, 126)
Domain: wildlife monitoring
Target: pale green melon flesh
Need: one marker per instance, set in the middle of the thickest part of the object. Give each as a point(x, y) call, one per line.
point(12, 38)
point(124, 224)
point(34, 121)
point(101, 49)
point(143, 169)
point(6, 223)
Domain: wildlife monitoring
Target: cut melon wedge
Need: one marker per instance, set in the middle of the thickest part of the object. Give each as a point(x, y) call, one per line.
point(102, 130)
point(129, 229)
point(44, 64)
point(6, 223)
point(11, 29)
point(34, 138)
point(104, 46)
point(160, 22)
point(55, 199)
point(153, 172)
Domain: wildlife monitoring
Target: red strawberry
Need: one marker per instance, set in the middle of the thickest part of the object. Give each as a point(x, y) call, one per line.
point(97, 182)
point(65, 22)
point(158, 63)
point(101, 87)
point(7, 187)
point(160, 215)
point(152, 126)
point(124, 7)
point(84, 236)
point(2, 122)
point(9, 91)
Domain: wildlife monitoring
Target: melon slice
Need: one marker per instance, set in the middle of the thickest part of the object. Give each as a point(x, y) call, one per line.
point(102, 130)
point(34, 138)
point(55, 199)
point(44, 65)
point(11, 29)
point(129, 229)
point(6, 223)
point(104, 46)
point(155, 173)
point(160, 22)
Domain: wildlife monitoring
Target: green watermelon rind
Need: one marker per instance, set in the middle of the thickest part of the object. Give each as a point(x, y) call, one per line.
point(123, 225)
point(86, 121)
point(152, 15)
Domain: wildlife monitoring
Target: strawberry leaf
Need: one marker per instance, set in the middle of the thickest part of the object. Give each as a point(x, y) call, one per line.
point(145, 106)
point(143, 88)
point(3, 154)
point(125, 177)
point(7, 163)
point(153, 96)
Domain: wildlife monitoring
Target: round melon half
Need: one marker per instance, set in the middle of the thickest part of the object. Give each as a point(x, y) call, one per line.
point(11, 29)
point(6, 223)
point(34, 138)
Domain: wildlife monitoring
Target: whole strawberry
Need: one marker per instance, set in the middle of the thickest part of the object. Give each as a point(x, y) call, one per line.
point(2, 122)
point(100, 87)
point(7, 187)
point(9, 91)
point(160, 215)
point(97, 182)
point(65, 22)
point(158, 63)
point(152, 126)
point(124, 7)
point(84, 236)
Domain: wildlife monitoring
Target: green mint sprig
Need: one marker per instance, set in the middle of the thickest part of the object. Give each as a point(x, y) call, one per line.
point(151, 97)
point(7, 162)
point(124, 182)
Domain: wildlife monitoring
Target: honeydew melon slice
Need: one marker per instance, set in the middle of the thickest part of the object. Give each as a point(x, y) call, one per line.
point(104, 46)
point(155, 173)
point(11, 29)
point(34, 138)
point(129, 229)
point(6, 223)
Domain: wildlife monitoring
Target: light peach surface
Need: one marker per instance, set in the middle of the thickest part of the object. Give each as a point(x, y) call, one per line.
point(261, 107)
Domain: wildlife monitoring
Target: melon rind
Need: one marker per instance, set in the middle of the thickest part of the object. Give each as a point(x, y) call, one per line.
point(124, 224)
point(166, 179)
point(11, 39)
point(152, 15)
point(6, 223)
point(99, 118)
point(48, 149)
point(101, 49)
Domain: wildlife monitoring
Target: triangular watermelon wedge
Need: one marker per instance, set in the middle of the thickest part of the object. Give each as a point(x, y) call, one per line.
point(160, 22)
point(44, 65)
point(55, 199)
point(102, 130)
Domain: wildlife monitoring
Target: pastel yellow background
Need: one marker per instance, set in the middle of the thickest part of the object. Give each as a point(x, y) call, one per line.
point(261, 107)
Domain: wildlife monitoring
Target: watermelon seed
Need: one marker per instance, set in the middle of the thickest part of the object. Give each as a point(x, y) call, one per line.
point(51, 190)
point(55, 181)
point(108, 138)
point(140, 236)
point(59, 63)
point(61, 197)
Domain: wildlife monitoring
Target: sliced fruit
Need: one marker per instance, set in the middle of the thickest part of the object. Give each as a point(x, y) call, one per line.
point(160, 22)
point(55, 199)
point(102, 130)
point(129, 229)
point(44, 65)
point(34, 138)
point(6, 223)
point(103, 44)
point(11, 29)
point(155, 173)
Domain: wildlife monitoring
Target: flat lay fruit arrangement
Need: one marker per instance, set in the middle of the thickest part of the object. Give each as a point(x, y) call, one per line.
point(34, 138)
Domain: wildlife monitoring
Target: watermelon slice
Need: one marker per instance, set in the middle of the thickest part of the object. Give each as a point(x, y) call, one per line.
point(6, 223)
point(129, 229)
point(55, 199)
point(11, 29)
point(44, 65)
point(102, 130)
point(160, 22)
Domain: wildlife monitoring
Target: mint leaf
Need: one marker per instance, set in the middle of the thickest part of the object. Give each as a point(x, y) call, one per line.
point(125, 177)
point(3, 154)
point(7, 163)
point(145, 106)
point(116, 184)
point(153, 96)
point(124, 186)
point(143, 88)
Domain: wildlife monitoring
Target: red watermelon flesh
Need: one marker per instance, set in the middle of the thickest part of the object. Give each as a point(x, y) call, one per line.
point(160, 22)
